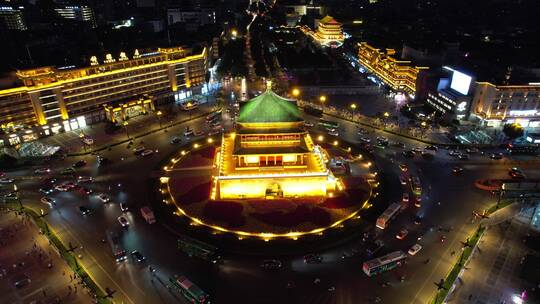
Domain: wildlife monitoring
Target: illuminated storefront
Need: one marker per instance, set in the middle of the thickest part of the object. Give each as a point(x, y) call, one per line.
point(497, 105)
point(125, 110)
point(271, 155)
point(59, 97)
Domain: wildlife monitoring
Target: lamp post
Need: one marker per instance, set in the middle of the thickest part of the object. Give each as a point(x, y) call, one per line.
point(353, 107)
point(296, 92)
point(386, 115)
point(125, 124)
point(189, 105)
point(16, 190)
point(159, 113)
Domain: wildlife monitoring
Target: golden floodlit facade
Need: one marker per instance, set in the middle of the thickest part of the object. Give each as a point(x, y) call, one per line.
point(271, 155)
point(50, 100)
point(400, 75)
point(329, 32)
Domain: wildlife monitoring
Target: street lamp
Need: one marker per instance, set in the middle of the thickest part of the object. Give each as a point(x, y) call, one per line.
point(189, 105)
point(295, 92)
point(353, 107)
point(322, 99)
point(126, 127)
point(16, 190)
point(234, 33)
point(159, 113)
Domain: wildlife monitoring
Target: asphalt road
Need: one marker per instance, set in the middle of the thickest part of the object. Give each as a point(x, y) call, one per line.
point(240, 279)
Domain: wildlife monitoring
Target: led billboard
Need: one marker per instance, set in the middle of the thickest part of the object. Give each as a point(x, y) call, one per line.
point(460, 82)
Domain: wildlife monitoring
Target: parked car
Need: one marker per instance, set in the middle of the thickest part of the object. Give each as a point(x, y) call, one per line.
point(124, 207)
point(176, 140)
point(496, 156)
point(138, 150)
point(457, 169)
point(79, 164)
point(516, 173)
point(147, 152)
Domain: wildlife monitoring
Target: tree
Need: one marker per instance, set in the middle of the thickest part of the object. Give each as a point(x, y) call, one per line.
point(513, 130)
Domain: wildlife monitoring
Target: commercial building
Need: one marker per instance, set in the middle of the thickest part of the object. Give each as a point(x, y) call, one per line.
point(453, 95)
point(192, 19)
point(12, 18)
point(497, 105)
point(83, 14)
point(51, 100)
point(271, 155)
point(399, 75)
point(329, 32)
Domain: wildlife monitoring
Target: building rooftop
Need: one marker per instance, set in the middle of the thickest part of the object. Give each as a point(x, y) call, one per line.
point(269, 107)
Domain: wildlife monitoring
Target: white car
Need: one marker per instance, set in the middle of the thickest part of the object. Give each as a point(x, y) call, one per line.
point(47, 201)
point(403, 180)
point(333, 133)
point(405, 197)
point(123, 221)
point(414, 249)
point(103, 197)
point(147, 152)
point(85, 179)
point(6, 180)
point(42, 170)
point(62, 188)
point(308, 124)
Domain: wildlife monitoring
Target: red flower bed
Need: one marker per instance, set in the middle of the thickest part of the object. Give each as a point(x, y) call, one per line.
point(196, 194)
point(225, 211)
point(302, 214)
point(350, 198)
point(206, 152)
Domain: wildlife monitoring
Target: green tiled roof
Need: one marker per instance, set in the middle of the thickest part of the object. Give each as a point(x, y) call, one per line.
point(269, 107)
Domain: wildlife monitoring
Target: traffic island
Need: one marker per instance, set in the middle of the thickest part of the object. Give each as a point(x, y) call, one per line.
point(187, 188)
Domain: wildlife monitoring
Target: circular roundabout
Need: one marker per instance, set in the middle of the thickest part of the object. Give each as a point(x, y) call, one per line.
point(186, 185)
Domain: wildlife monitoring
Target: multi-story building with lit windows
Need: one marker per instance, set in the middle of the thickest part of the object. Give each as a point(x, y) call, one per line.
point(399, 75)
point(77, 13)
point(497, 105)
point(271, 155)
point(12, 18)
point(52, 100)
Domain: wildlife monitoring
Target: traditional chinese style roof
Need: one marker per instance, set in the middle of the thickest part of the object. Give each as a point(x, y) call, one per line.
point(328, 20)
point(269, 108)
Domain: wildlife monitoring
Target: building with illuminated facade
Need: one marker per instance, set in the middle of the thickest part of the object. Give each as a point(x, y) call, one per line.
point(271, 155)
point(329, 32)
point(497, 105)
point(51, 100)
point(82, 13)
point(12, 18)
point(399, 75)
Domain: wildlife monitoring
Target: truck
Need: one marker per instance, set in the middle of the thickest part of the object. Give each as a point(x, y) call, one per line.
point(148, 215)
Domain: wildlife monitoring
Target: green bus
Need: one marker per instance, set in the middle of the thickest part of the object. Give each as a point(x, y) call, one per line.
point(189, 290)
point(328, 124)
point(196, 248)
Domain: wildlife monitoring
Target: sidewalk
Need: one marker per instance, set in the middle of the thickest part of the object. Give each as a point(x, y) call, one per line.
point(30, 255)
point(492, 275)
point(139, 126)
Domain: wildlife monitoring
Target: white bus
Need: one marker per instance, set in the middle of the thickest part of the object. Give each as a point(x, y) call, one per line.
point(384, 263)
point(388, 215)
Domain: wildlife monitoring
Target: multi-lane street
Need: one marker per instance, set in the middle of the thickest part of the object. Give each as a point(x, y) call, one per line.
point(447, 205)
